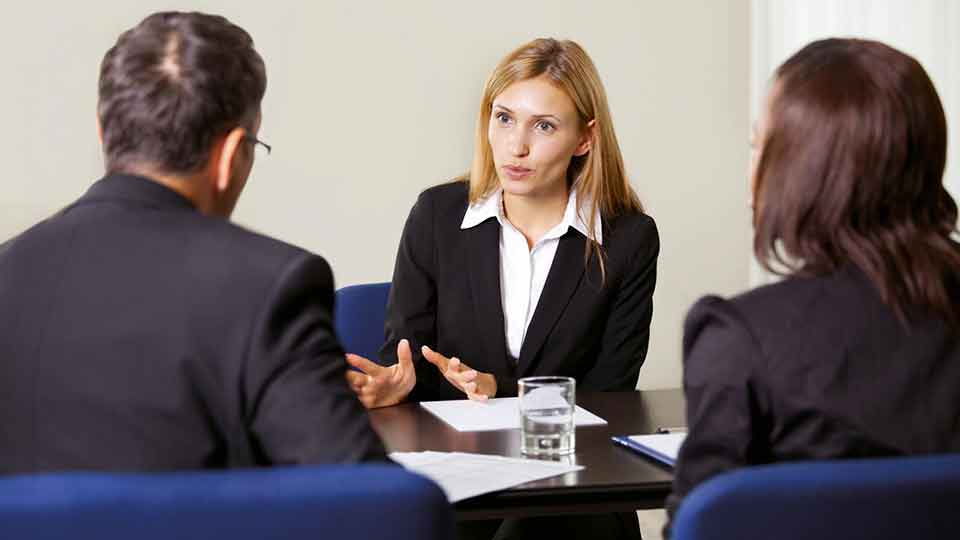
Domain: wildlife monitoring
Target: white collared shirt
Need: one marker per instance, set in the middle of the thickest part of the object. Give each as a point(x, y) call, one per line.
point(523, 271)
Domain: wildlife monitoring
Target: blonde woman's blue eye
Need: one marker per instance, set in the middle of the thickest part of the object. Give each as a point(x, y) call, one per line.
point(502, 118)
point(545, 126)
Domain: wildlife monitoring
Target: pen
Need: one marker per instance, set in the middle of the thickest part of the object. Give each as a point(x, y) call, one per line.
point(666, 430)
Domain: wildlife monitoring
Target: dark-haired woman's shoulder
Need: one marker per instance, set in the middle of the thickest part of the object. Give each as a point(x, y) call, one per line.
point(727, 347)
point(758, 311)
point(785, 299)
point(770, 322)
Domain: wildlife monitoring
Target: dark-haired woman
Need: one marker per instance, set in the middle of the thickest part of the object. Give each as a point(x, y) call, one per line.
point(857, 352)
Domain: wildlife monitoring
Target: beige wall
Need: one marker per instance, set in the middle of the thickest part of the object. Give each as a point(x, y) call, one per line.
point(370, 102)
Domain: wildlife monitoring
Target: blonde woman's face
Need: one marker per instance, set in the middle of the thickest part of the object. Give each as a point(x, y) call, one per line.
point(534, 131)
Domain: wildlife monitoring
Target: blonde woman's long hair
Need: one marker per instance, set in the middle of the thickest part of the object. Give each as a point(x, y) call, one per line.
point(599, 174)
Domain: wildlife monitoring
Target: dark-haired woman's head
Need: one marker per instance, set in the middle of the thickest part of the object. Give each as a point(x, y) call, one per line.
point(848, 173)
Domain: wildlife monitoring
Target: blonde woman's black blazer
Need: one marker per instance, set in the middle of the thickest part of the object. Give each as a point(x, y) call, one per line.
point(446, 294)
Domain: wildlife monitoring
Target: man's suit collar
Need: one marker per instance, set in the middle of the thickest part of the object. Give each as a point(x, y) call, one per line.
point(137, 189)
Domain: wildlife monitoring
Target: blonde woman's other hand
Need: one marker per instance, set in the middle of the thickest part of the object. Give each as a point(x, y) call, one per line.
point(475, 384)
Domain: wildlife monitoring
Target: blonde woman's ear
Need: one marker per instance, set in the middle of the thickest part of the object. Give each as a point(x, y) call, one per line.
point(587, 140)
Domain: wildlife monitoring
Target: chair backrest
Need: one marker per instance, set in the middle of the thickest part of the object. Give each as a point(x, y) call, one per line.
point(359, 316)
point(290, 503)
point(877, 499)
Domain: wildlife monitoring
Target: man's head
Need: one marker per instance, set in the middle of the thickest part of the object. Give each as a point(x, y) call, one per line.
point(180, 98)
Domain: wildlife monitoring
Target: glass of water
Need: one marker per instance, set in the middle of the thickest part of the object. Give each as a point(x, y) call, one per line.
point(546, 415)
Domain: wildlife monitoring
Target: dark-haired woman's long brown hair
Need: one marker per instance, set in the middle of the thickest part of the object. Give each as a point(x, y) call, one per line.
point(851, 173)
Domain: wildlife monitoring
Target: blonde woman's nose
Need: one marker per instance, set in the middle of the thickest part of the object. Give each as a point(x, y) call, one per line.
point(517, 144)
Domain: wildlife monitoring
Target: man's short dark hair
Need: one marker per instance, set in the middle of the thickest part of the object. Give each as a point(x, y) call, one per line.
point(171, 85)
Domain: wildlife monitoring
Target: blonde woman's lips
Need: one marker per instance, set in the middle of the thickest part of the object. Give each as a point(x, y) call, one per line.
point(516, 173)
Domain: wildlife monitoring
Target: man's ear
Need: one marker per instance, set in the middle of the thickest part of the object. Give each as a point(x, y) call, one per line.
point(228, 152)
point(586, 140)
point(99, 129)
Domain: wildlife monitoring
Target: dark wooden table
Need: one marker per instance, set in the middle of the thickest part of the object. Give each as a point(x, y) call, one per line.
point(614, 479)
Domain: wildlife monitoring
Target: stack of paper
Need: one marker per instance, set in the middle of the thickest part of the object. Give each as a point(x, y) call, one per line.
point(493, 414)
point(463, 475)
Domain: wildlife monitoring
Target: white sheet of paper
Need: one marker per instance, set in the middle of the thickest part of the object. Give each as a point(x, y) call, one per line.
point(493, 414)
point(462, 475)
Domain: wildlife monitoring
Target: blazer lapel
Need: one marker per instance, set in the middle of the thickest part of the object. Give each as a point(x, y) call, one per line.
point(563, 279)
point(483, 243)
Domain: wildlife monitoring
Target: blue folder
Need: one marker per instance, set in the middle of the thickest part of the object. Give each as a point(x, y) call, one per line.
point(663, 448)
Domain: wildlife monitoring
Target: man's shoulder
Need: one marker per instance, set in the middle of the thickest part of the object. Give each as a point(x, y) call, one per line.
point(244, 241)
point(249, 254)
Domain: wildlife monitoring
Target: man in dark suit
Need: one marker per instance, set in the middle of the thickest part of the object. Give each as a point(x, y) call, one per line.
point(139, 329)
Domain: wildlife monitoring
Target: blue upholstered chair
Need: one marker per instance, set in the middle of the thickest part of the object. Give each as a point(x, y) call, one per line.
point(290, 503)
point(877, 499)
point(359, 317)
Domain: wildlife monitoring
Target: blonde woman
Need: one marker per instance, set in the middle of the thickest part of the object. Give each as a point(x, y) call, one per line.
point(540, 261)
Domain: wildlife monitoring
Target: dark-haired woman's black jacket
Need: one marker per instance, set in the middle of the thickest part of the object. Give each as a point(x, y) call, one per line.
point(446, 294)
point(813, 368)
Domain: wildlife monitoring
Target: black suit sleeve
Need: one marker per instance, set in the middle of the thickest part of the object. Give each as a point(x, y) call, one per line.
point(298, 406)
point(412, 307)
point(726, 405)
point(627, 330)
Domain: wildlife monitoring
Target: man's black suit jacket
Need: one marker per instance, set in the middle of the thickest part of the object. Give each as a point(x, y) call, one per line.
point(446, 294)
point(139, 334)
